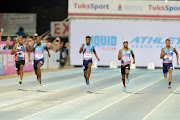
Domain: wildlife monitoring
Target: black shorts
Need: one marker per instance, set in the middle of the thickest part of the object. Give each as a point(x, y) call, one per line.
point(166, 67)
point(19, 63)
point(124, 67)
point(85, 64)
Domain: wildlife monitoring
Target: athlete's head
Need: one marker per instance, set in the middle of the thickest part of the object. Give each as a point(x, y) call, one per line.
point(167, 42)
point(125, 43)
point(38, 40)
point(20, 40)
point(88, 40)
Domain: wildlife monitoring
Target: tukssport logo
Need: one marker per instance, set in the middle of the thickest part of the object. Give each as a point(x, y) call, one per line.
point(164, 8)
point(91, 6)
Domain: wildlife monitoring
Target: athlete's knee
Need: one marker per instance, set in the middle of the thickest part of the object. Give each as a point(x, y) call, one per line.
point(21, 67)
point(165, 75)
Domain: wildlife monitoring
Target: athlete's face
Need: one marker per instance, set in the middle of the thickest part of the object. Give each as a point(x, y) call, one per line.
point(125, 45)
point(20, 41)
point(88, 40)
point(168, 43)
point(38, 41)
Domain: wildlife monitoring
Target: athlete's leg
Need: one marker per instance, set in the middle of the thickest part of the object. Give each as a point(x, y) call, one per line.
point(123, 80)
point(39, 71)
point(127, 73)
point(89, 70)
point(170, 75)
point(85, 75)
point(165, 75)
point(21, 71)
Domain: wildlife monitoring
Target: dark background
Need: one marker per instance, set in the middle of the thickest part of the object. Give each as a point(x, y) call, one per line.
point(46, 10)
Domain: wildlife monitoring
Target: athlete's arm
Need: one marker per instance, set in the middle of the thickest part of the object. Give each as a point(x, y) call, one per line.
point(94, 51)
point(81, 48)
point(119, 55)
point(31, 48)
point(14, 49)
point(162, 53)
point(133, 56)
point(177, 55)
point(27, 49)
point(47, 51)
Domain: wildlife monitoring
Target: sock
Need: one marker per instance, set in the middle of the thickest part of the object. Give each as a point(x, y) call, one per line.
point(169, 83)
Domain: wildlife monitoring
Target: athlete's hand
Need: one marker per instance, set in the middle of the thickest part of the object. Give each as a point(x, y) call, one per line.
point(165, 54)
point(98, 59)
point(17, 50)
point(133, 61)
point(82, 45)
point(49, 55)
point(177, 62)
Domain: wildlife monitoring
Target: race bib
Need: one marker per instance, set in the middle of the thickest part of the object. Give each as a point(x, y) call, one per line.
point(38, 56)
point(168, 57)
point(88, 55)
point(126, 58)
point(20, 54)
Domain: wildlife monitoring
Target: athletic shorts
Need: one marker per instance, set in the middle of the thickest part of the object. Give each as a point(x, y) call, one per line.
point(85, 64)
point(37, 61)
point(124, 67)
point(166, 67)
point(19, 63)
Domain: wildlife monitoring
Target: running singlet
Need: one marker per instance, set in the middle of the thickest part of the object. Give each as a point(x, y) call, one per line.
point(21, 54)
point(38, 51)
point(126, 57)
point(87, 52)
point(168, 58)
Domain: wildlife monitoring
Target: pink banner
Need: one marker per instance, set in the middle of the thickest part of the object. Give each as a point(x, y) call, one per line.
point(9, 63)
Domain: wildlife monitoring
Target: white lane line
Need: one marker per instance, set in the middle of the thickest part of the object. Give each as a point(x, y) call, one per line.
point(74, 99)
point(120, 100)
point(159, 104)
point(48, 84)
point(47, 94)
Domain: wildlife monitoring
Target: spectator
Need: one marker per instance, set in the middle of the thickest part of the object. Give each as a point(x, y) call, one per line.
point(8, 46)
point(21, 32)
point(49, 45)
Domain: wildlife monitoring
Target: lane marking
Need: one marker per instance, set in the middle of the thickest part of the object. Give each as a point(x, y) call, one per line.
point(160, 104)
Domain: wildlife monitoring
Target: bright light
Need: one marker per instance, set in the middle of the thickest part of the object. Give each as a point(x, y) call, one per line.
point(166, 1)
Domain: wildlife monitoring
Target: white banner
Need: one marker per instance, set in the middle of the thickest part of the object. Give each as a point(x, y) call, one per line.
point(11, 22)
point(117, 8)
point(145, 38)
point(59, 29)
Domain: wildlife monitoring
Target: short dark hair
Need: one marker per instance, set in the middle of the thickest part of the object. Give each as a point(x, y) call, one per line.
point(88, 37)
point(167, 40)
point(125, 42)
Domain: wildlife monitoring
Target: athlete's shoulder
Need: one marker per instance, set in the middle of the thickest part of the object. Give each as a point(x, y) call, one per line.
point(44, 44)
point(35, 45)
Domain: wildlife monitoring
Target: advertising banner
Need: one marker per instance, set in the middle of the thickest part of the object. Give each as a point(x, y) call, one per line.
point(146, 39)
point(117, 8)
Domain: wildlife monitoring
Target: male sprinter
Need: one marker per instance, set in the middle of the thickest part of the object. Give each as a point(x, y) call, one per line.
point(87, 50)
point(124, 56)
point(38, 48)
point(167, 55)
point(19, 51)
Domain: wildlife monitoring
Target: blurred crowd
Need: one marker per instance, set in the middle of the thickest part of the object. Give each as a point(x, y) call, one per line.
point(53, 45)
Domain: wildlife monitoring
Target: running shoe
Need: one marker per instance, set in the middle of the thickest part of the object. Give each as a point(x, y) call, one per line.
point(20, 81)
point(127, 80)
point(169, 86)
point(124, 89)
